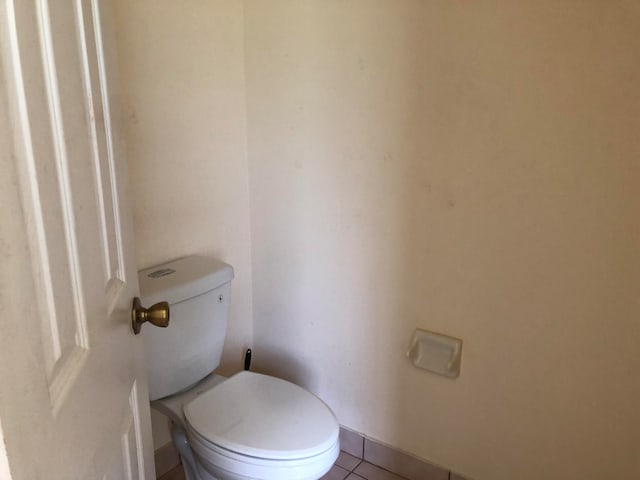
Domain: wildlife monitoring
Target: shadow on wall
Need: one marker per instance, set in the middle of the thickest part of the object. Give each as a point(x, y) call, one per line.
point(281, 365)
point(348, 187)
point(464, 170)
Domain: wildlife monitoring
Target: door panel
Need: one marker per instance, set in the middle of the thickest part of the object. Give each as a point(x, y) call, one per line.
point(96, 87)
point(87, 413)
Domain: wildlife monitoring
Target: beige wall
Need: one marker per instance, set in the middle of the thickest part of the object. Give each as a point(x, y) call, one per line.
point(183, 76)
point(466, 167)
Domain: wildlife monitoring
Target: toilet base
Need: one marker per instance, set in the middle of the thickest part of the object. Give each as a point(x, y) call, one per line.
point(192, 469)
point(179, 438)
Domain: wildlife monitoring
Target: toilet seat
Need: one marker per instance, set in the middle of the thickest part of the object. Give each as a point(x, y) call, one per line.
point(257, 426)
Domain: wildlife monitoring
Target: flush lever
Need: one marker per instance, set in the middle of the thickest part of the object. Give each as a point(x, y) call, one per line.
point(157, 314)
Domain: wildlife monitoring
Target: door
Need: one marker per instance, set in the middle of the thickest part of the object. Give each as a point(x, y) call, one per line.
point(73, 395)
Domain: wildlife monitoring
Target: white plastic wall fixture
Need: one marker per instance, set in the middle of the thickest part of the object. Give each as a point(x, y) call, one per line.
point(436, 353)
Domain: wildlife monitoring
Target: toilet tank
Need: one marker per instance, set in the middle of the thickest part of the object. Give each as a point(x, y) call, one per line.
point(198, 290)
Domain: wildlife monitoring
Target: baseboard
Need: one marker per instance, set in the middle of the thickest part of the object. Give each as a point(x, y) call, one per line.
point(392, 459)
point(166, 458)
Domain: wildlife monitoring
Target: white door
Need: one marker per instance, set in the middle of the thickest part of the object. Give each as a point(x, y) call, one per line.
point(73, 394)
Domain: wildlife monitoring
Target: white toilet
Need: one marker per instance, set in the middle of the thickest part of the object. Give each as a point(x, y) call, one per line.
point(249, 426)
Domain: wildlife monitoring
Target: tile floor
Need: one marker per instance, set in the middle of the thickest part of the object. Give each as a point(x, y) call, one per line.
point(347, 467)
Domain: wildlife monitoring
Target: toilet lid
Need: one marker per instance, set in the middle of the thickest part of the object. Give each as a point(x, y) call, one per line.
point(265, 417)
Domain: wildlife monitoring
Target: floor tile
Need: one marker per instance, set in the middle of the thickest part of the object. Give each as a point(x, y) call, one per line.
point(371, 472)
point(175, 474)
point(336, 473)
point(347, 461)
point(353, 476)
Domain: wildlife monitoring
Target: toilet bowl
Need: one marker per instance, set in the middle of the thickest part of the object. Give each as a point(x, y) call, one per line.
point(252, 426)
point(248, 426)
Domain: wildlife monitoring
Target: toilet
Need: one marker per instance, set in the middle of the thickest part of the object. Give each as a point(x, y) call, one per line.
point(248, 426)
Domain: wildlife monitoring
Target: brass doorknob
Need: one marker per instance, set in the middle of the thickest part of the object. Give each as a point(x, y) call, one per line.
point(157, 314)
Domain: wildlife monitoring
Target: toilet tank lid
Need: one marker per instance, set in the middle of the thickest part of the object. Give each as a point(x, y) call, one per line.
point(182, 279)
